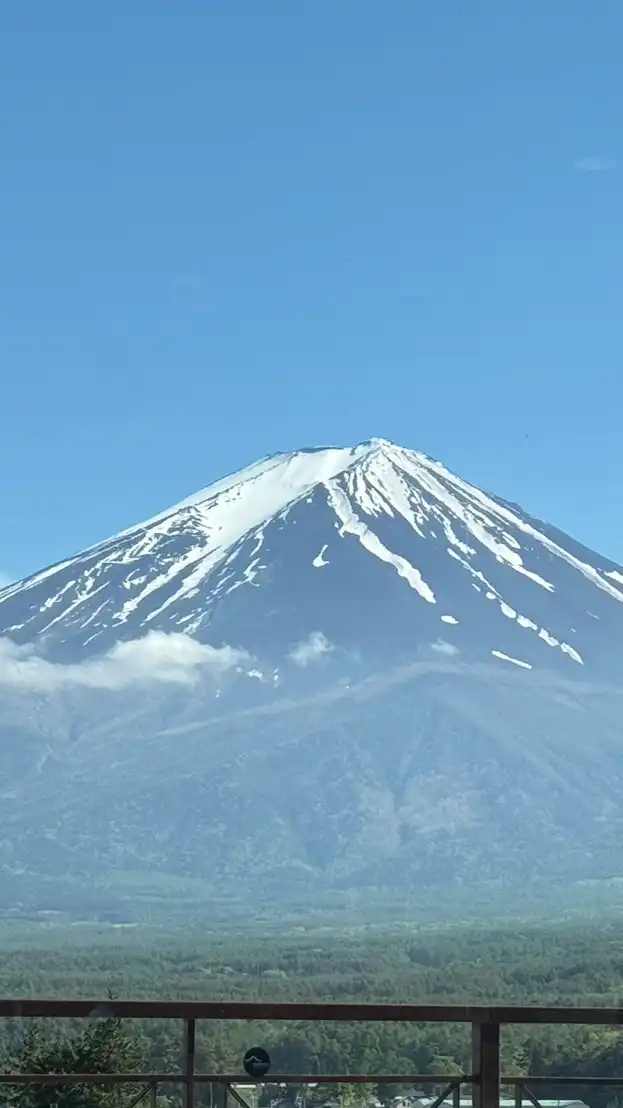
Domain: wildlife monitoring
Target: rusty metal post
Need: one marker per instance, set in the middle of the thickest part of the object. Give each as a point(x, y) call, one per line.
point(189, 1063)
point(486, 1065)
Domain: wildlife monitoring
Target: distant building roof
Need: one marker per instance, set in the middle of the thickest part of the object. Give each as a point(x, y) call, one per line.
point(506, 1102)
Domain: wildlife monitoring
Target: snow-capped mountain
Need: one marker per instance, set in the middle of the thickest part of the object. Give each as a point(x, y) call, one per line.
point(336, 666)
point(376, 548)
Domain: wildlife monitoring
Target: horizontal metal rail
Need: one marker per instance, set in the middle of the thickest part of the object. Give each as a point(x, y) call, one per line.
point(179, 1078)
point(222, 1079)
point(369, 1013)
point(485, 1078)
point(558, 1079)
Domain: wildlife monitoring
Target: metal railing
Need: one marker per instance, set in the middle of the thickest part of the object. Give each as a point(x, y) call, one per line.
point(485, 1078)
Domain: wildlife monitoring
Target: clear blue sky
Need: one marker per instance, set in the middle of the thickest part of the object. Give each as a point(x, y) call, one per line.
point(231, 227)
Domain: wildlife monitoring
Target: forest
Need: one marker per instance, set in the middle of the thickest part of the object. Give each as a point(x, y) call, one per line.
point(573, 965)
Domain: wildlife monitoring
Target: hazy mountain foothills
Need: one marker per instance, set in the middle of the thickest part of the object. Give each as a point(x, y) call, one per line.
point(335, 669)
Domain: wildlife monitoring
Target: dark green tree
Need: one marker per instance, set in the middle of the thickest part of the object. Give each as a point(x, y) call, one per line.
point(102, 1047)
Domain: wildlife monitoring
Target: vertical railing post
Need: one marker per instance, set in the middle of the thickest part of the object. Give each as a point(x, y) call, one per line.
point(189, 1063)
point(219, 1094)
point(486, 1065)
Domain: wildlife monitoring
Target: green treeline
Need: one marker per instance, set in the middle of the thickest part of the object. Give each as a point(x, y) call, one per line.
point(571, 966)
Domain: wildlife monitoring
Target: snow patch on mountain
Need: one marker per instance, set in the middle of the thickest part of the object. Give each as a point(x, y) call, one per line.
point(320, 559)
point(507, 658)
point(351, 524)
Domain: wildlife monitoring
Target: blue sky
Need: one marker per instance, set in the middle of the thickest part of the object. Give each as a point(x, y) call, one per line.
point(234, 228)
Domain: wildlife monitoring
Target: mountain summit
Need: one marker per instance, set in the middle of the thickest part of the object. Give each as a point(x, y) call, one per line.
point(377, 547)
point(340, 666)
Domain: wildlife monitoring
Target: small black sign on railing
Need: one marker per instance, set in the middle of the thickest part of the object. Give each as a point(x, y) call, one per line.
point(256, 1062)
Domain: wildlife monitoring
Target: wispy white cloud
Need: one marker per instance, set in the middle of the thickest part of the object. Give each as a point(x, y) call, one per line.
point(157, 657)
point(311, 648)
point(593, 165)
point(443, 647)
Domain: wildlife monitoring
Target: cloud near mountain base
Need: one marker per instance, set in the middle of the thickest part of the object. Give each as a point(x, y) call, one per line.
point(443, 647)
point(311, 649)
point(156, 657)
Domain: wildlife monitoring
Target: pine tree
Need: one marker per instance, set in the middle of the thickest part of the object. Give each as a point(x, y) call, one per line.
point(103, 1047)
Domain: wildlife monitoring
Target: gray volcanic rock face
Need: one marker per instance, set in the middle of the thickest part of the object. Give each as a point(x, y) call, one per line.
point(336, 667)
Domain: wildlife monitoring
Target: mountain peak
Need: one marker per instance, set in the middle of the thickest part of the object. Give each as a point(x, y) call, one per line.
point(275, 481)
point(329, 664)
point(282, 477)
point(378, 519)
